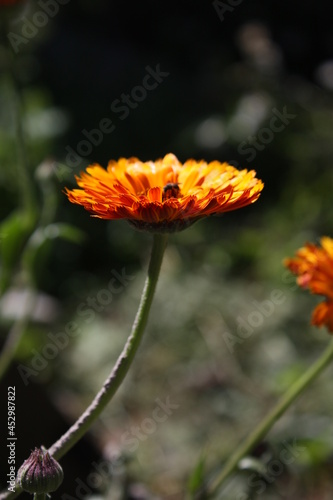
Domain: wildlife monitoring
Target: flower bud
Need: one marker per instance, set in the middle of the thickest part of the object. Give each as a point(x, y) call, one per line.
point(40, 473)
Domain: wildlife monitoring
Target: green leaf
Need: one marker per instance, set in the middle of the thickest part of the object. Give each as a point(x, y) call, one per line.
point(40, 241)
point(14, 232)
point(316, 451)
point(66, 232)
point(197, 477)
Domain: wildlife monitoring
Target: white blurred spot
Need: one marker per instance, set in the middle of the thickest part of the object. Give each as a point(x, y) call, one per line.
point(255, 41)
point(13, 306)
point(46, 123)
point(210, 133)
point(251, 111)
point(324, 74)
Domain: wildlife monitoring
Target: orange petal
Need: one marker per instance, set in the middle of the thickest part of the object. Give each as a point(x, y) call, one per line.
point(323, 315)
point(155, 194)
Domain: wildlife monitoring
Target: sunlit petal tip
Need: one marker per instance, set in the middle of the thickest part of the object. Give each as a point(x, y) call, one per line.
point(165, 195)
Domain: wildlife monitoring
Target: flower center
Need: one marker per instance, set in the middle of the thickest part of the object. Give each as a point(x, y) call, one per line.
point(170, 190)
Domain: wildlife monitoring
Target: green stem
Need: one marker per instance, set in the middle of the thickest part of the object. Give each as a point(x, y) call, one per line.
point(267, 423)
point(25, 184)
point(117, 375)
point(40, 496)
point(125, 359)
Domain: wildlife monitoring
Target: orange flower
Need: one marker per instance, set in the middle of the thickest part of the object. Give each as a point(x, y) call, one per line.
point(164, 196)
point(314, 267)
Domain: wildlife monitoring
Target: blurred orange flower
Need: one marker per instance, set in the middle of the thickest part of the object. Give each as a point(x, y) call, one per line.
point(165, 195)
point(314, 267)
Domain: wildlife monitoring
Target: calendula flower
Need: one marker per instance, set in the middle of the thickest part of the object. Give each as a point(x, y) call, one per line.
point(165, 195)
point(314, 267)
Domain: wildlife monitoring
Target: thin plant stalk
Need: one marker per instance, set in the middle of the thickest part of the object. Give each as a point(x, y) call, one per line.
point(81, 426)
point(28, 202)
point(25, 183)
point(117, 375)
point(267, 423)
point(16, 332)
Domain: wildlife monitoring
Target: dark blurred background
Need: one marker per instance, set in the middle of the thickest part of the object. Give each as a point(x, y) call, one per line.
point(246, 82)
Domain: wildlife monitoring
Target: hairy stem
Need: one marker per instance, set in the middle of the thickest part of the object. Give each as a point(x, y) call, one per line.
point(117, 375)
point(124, 361)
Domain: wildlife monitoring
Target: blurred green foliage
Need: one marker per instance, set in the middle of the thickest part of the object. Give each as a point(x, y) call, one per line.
point(200, 349)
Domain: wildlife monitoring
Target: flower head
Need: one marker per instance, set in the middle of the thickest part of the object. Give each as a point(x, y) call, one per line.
point(314, 267)
point(165, 195)
point(40, 473)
